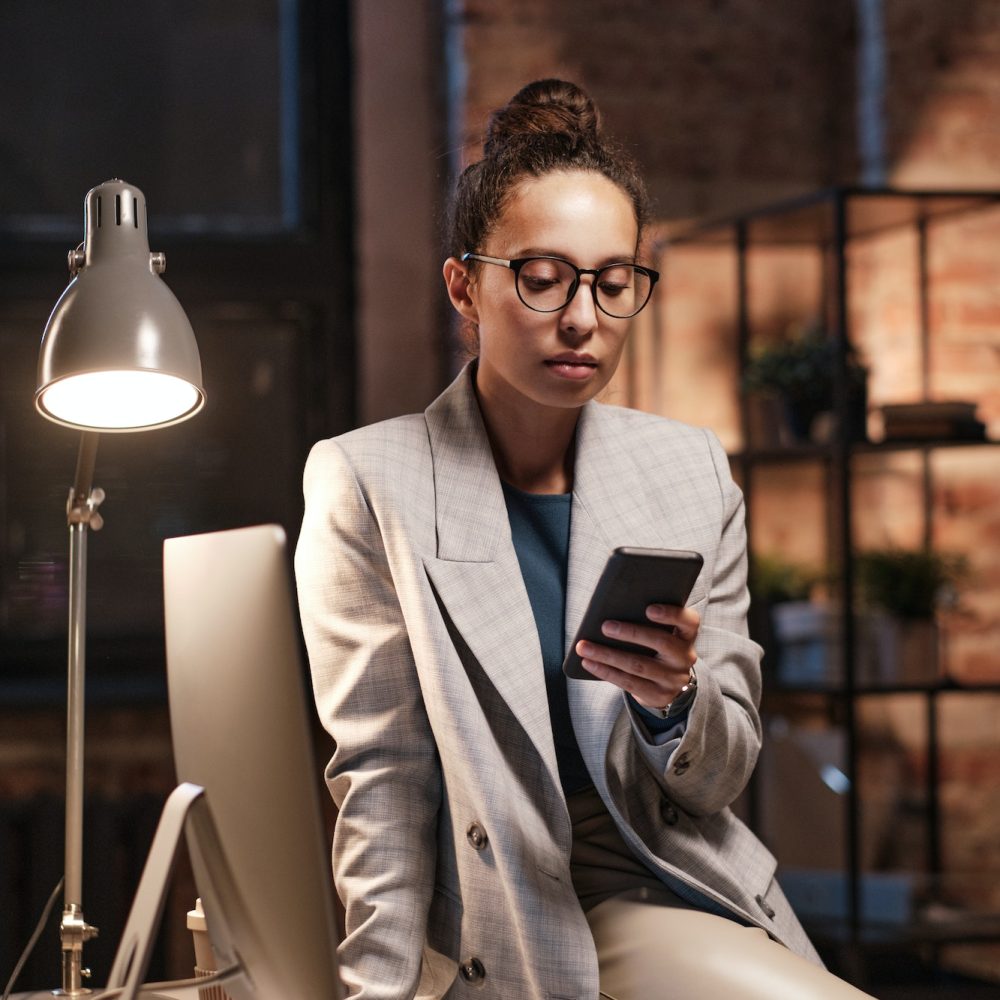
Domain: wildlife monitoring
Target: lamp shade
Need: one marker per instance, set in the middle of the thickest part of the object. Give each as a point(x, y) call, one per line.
point(118, 352)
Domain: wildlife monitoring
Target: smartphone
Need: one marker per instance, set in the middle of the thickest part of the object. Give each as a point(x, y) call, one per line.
point(632, 579)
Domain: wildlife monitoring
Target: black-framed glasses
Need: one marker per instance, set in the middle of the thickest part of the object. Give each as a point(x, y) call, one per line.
point(548, 284)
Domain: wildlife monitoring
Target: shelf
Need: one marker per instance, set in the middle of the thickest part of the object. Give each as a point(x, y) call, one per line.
point(958, 927)
point(920, 444)
point(821, 261)
point(811, 220)
point(824, 452)
point(783, 453)
point(942, 687)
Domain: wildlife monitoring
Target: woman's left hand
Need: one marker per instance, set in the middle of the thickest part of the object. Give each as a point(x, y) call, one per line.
point(655, 680)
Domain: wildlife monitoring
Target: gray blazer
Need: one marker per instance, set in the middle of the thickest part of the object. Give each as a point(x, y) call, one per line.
point(452, 844)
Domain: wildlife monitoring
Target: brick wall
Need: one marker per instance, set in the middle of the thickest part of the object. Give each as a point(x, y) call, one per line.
point(943, 105)
point(726, 103)
point(731, 103)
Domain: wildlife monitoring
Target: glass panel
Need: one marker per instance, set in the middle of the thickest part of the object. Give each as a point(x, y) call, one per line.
point(970, 798)
point(966, 506)
point(788, 375)
point(691, 366)
point(195, 103)
point(883, 278)
point(792, 613)
point(964, 274)
point(802, 784)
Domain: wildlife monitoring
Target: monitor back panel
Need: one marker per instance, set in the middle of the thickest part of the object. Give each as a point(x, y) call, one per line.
point(241, 730)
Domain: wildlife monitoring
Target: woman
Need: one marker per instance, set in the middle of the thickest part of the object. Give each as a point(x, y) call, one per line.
point(503, 831)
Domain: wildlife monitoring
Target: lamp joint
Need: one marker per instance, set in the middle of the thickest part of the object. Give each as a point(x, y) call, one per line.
point(73, 932)
point(76, 259)
point(158, 262)
point(83, 510)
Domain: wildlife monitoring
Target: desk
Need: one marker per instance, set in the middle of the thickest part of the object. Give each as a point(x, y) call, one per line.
point(183, 993)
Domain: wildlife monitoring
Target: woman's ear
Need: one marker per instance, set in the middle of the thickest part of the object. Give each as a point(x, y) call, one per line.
point(459, 283)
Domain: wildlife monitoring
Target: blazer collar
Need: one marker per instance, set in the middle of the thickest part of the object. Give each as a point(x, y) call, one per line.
point(471, 515)
point(476, 574)
point(605, 514)
point(606, 508)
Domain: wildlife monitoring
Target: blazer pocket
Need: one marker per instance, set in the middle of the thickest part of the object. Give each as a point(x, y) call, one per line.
point(444, 922)
point(439, 962)
point(437, 973)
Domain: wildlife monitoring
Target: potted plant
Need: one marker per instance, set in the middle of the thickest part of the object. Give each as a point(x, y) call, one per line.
point(800, 631)
point(900, 592)
point(775, 580)
point(794, 379)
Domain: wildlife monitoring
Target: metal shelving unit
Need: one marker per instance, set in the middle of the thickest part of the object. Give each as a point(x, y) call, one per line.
point(831, 221)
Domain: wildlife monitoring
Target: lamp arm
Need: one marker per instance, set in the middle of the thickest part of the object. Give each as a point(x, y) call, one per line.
point(86, 458)
point(81, 513)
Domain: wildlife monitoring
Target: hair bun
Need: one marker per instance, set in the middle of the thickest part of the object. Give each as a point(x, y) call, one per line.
point(555, 109)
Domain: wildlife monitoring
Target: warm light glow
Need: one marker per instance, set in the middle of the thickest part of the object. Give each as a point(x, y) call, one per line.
point(122, 400)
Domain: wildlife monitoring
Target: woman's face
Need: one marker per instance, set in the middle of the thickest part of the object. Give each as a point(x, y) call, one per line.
point(557, 359)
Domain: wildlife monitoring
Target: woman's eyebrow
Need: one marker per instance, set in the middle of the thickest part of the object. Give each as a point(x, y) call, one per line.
point(625, 258)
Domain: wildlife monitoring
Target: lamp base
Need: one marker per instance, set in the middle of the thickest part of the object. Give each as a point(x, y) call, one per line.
point(74, 931)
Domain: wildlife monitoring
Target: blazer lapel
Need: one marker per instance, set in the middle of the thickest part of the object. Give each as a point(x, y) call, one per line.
point(476, 573)
point(607, 512)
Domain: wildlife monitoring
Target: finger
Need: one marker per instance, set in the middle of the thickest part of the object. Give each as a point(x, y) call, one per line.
point(640, 688)
point(665, 674)
point(622, 660)
point(667, 644)
point(653, 637)
point(645, 691)
point(684, 621)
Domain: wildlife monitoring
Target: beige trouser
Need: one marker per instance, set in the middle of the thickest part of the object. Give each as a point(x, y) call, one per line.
point(652, 944)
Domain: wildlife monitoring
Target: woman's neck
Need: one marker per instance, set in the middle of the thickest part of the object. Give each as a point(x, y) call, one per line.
point(533, 446)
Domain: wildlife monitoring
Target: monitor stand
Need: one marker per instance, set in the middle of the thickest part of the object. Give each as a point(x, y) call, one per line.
point(186, 807)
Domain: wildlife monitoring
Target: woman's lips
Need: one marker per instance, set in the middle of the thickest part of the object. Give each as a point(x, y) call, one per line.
point(572, 368)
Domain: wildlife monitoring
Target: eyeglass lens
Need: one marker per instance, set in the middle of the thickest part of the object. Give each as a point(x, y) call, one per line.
point(547, 284)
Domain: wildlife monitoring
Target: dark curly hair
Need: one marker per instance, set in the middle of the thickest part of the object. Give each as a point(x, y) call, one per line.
point(549, 125)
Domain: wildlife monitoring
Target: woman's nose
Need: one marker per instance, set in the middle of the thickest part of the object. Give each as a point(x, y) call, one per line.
point(579, 315)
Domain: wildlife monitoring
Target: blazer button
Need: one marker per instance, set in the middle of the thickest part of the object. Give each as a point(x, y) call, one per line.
point(766, 907)
point(681, 764)
point(476, 836)
point(472, 971)
point(669, 813)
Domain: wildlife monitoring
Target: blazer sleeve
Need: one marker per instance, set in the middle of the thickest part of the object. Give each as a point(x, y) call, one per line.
point(384, 774)
point(706, 765)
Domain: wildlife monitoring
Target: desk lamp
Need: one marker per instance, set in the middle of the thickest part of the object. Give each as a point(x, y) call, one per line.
point(118, 354)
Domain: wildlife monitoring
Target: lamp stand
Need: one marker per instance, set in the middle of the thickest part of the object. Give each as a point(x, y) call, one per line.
point(81, 514)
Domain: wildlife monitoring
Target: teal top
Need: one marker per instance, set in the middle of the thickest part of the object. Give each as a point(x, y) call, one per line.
point(539, 526)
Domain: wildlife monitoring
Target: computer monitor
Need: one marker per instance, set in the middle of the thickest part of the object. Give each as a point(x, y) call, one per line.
point(240, 729)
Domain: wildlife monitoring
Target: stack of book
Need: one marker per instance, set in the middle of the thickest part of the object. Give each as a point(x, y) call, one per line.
point(947, 419)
